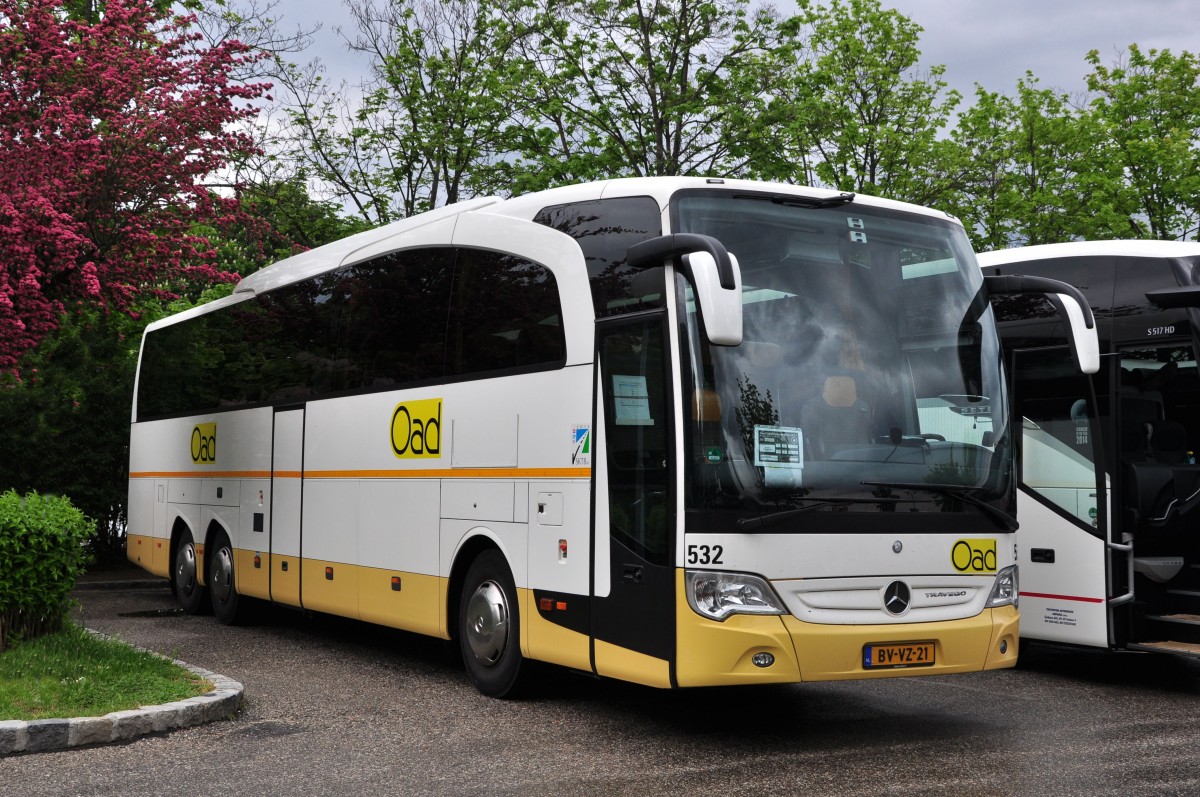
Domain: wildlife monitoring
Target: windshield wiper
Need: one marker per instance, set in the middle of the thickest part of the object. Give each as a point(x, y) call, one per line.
point(955, 491)
point(793, 201)
point(748, 523)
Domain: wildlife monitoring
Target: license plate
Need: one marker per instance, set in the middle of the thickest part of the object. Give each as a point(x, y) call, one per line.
point(895, 655)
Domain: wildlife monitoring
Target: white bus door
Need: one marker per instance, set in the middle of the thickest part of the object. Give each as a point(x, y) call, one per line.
point(1066, 558)
point(287, 489)
point(633, 604)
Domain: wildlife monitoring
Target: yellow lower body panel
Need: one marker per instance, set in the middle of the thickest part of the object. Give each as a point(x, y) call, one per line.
point(285, 579)
point(714, 653)
point(546, 641)
point(412, 601)
point(249, 579)
point(329, 587)
point(835, 652)
point(629, 665)
point(152, 554)
point(409, 601)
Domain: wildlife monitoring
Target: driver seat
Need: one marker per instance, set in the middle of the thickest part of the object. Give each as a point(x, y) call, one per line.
point(836, 417)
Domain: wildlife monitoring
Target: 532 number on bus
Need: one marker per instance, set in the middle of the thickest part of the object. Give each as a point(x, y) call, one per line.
point(705, 554)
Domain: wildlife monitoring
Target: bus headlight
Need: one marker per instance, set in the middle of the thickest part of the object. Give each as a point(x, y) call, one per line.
point(718, 595)
point(1004, 590)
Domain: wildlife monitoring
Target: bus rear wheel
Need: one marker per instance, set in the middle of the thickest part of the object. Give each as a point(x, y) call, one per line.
point(226, 603)
point(489, 626)
point(185, 576)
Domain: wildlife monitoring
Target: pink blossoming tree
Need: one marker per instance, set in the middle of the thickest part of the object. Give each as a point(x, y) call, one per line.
point(109, 129)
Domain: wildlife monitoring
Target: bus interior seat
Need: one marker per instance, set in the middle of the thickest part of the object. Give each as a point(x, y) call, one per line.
point(1166, 442)
point(1163, 485)
point(1137, 410)
point(836, 417)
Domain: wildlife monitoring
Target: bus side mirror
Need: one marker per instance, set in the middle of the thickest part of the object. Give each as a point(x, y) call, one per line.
point(1072, 307)
point(713, 273)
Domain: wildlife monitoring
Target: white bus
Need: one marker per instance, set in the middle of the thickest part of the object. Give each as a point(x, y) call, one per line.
point(572, 427)
point(1109, 498)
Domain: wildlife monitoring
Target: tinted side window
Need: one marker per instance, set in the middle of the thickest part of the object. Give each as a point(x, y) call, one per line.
point(1134, 317)
point(392, 312)
point(605, 229)
point(505, 315)
point(1135, 276)
point(177, 366)
point(286, 348)
point(383, 323)
point(1031, 318)
point(1091, 275)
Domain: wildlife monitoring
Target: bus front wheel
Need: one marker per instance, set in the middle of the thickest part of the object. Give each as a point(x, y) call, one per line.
point(185, 577)
point(489, 631)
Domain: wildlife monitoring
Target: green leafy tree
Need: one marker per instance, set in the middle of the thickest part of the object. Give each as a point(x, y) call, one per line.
point(64, 427)
point(1029, 169)
point(498, 96)
point(431, 124)
point(856, 115)
point(278, 220)
point(637, 88)
point(1149, 109)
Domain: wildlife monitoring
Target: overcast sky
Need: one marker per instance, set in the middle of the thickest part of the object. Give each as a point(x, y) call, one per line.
point(994, 42)
point(990, 42)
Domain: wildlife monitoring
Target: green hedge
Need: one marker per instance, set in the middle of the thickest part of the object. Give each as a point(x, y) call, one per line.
point(42, 553)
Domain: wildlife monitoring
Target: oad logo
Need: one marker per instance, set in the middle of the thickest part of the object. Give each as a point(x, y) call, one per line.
point(204, 443)
point(417, 429)
point(974, 556)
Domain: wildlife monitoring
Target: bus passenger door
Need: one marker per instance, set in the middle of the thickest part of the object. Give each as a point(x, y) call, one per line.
point(1063, 541)
point(287, 489)
point(633, 626)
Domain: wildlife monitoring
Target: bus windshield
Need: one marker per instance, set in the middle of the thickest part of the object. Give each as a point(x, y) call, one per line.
point(869, 380)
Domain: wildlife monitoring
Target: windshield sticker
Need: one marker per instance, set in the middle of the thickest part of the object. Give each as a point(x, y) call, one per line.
point(779, 451)
point(631, 401)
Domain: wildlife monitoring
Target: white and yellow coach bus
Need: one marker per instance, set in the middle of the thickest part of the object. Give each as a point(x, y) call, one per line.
point(676, 431)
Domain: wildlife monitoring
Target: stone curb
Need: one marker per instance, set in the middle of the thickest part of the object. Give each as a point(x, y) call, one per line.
point(40, 736)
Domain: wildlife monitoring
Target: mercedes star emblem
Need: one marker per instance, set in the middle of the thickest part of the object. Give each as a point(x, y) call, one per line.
point(897, 597)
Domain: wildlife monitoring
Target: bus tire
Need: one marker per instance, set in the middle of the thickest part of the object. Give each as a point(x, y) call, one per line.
point(489, 626)
point(226, 604)
point(185, 577)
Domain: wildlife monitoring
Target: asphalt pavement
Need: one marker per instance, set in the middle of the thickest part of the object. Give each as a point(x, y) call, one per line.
point(333, 707)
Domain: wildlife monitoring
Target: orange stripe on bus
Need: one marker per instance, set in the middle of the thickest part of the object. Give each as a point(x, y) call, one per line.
point(456, 473)
point(206, 474)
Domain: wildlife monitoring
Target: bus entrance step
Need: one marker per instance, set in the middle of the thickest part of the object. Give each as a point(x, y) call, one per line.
point(1178, 648)
point(1181, 619)
point(1185, 593)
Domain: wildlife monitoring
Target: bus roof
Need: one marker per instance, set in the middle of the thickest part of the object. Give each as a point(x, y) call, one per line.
point(338, 253)
point(662, 188)
point(331, 255)
point(1120, 248)
point(393, 236)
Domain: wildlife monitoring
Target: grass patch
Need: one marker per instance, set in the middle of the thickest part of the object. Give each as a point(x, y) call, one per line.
point(75, 674)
